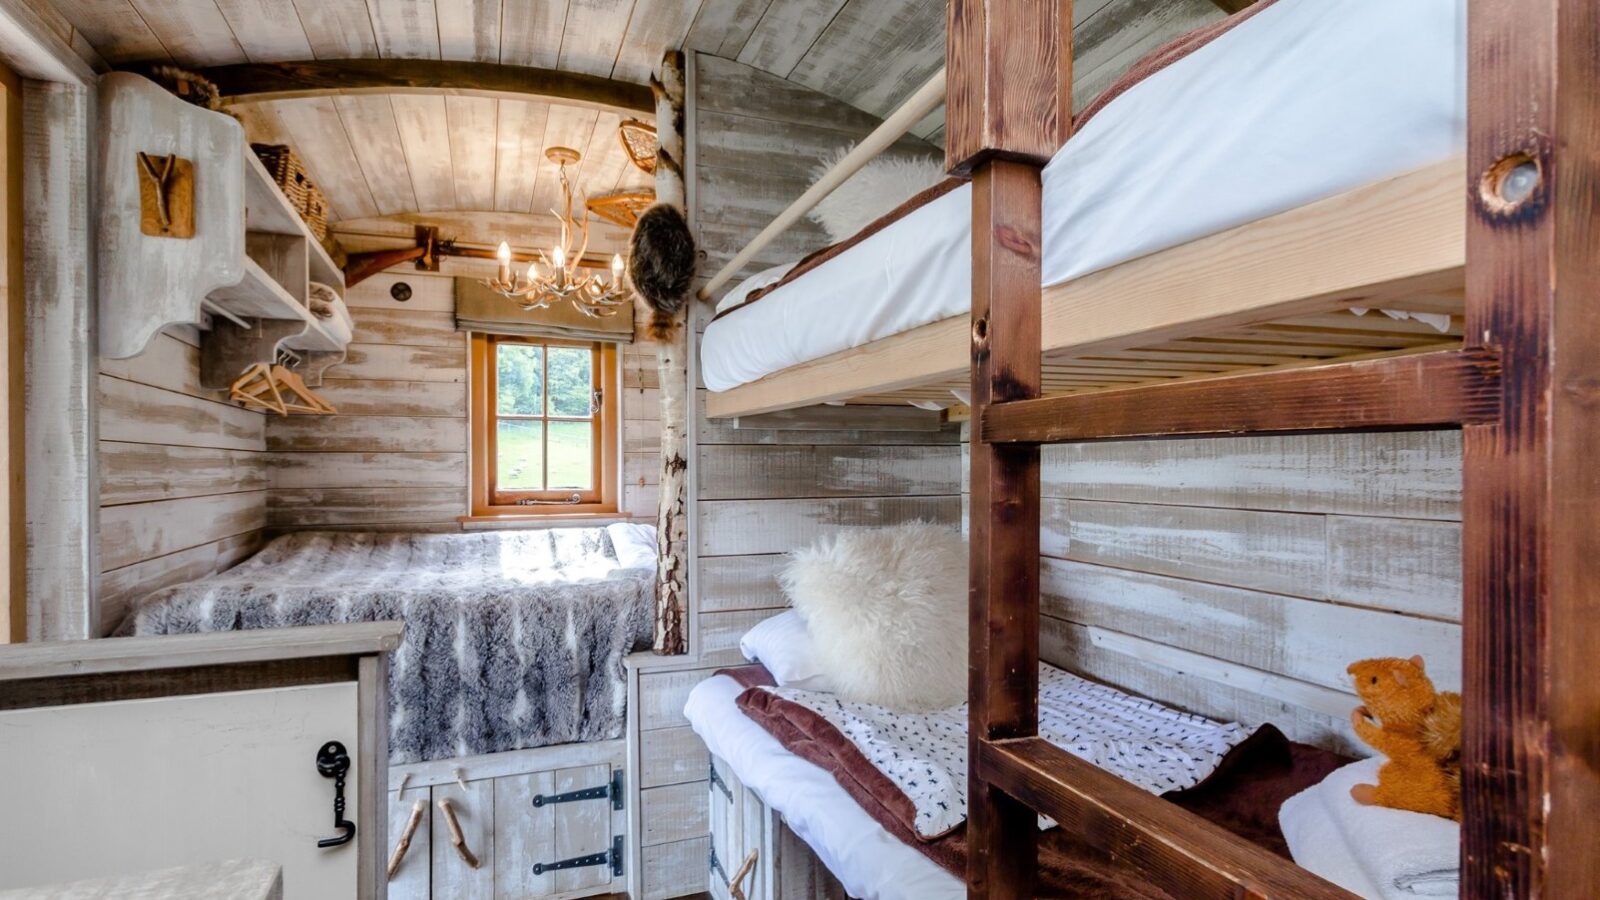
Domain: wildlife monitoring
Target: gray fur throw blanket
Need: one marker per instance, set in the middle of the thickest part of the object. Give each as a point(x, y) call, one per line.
point(513, 639)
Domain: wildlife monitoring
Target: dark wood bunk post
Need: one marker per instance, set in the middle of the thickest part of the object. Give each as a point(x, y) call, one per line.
point(1008, 108)
point(1531, 504)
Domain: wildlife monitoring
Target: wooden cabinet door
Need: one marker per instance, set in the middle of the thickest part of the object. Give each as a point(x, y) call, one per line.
point(529, 835)
point(103, 789)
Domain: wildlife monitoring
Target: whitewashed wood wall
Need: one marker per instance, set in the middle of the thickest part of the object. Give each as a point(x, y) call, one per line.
point(761, 493)
point(1238, 577)
point(191, 484)
point(395, 457)
point(183, 474)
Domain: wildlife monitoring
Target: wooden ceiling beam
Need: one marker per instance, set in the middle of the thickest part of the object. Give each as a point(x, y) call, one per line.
point(261, 82)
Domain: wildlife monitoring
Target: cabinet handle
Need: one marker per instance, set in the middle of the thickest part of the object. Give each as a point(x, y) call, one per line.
point(456, 837)
point(405, 837)
point(736, 884)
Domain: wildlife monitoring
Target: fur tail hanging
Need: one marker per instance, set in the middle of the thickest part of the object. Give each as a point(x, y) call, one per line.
point(662, 266)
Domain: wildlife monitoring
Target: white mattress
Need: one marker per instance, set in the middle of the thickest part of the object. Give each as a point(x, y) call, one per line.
point(871, 863)
point(1307, 99)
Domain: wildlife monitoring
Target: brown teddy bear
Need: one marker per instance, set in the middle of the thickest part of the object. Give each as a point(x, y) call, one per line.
point(1417, 728)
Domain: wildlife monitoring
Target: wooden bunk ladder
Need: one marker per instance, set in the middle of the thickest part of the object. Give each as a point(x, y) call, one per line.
point(1525, 389)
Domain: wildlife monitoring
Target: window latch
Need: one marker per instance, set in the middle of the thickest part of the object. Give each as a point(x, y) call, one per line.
point(595, 401)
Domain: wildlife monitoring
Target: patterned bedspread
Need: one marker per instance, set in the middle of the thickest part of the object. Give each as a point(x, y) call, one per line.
point(513, 639)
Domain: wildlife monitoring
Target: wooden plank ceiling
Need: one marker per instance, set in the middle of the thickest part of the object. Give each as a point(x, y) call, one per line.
point(388, 160)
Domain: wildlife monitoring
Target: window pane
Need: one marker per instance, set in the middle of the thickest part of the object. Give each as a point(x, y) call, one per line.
point(571, 455)
point(519, 451)
point(571, 381)
point(519, 379)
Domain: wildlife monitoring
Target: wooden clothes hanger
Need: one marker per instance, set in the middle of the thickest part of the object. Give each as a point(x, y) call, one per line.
point(304, 399)
point(257, 388)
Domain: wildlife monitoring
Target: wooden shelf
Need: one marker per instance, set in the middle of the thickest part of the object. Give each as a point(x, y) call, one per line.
point(258, 296)
point(268, 211)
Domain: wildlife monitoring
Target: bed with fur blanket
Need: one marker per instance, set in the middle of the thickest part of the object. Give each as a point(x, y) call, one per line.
point(513, 639)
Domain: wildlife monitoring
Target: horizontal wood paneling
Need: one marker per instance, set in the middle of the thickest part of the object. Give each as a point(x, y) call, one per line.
point(743, 527)
point(1238, 577)
point(1414, 474)
point(136, 532)
point(132, 412)
point(662, 695)
point(313, 507)
point(182, 475)
point(397, 362)
point(121, 588)
point(140, 473)
point(740, 582)
point(358, 469)
point(386, 434)
point(1308, 640)
point(720, 633)
point(733, 472)
point(373, 397)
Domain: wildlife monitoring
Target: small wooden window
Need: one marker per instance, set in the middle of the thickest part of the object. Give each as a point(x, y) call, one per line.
point(544, 426)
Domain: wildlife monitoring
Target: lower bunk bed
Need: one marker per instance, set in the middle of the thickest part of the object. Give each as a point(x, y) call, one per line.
point(507, 695)
point(879, 797)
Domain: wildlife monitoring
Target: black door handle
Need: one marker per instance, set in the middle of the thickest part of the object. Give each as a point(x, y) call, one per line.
point(333, 761)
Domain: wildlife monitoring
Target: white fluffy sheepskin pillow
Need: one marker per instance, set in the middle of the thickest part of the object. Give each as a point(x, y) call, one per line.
point(876, 190)
point(887, 611)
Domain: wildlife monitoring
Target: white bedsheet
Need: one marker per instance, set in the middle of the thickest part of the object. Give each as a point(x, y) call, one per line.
point(871, 863)
point(1307, 99)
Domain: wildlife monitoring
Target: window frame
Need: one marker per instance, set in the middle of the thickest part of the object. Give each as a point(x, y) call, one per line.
point(487, 499)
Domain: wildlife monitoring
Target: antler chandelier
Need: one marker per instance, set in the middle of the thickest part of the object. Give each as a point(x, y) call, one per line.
point(555, 277)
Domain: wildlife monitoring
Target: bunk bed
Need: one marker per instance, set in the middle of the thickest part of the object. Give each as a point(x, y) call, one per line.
point(1256, 326)
point(1351, 131)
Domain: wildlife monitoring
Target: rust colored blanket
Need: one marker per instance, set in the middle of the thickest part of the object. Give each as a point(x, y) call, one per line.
point(1242, 795)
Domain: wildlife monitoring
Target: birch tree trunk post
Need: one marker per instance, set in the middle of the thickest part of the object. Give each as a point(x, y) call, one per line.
point(672, 362)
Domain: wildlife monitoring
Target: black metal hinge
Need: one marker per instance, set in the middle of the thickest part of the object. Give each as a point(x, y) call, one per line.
point(612, 858)
point(716, 866)
point(717, 780)
point(612, 791)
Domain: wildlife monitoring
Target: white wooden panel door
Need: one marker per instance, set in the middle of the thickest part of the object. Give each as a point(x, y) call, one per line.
point(726, 814)
point(104, 789)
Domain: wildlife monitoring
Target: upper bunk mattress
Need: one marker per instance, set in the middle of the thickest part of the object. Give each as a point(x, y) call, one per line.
point(1303, 100)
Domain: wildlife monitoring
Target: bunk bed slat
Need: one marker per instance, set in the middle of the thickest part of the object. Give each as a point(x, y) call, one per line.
point(1441, 388)
point(1172, 848)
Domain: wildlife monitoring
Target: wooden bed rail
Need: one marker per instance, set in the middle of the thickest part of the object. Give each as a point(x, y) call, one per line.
point(917, 107)
point(1441, 388)
point(1174, 849)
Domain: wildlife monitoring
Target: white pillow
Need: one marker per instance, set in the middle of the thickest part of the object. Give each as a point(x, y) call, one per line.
point(886, 609)
point(763, 278)
point(635, 545)
point(872, 192)
point(784, 646)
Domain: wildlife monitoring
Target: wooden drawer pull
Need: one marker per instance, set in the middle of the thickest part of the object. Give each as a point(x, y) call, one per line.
point(736, 884)
point(456, 837)
point(404, 843)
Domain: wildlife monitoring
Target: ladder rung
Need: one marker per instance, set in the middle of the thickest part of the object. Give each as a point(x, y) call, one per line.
point(1442, 387)
point(1167, 845)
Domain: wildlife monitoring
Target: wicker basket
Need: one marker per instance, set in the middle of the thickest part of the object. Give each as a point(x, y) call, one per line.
point(315, 211)
point(290, 175)
point(287, 171)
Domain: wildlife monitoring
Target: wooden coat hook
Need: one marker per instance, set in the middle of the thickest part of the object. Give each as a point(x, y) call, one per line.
point(166, 196)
